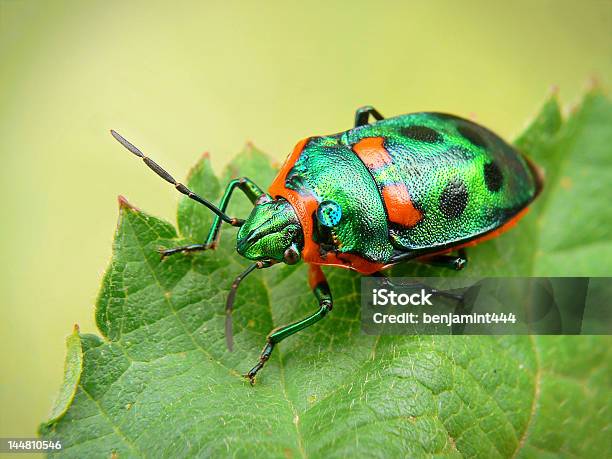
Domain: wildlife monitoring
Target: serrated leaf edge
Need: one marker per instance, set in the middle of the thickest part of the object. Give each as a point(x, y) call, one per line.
point(73, 368)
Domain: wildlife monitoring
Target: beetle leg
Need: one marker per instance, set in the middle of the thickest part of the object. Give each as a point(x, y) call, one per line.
point(244, 184)
point(362, 115)
point(457, 262)
point(252, 192)
point(320, 288)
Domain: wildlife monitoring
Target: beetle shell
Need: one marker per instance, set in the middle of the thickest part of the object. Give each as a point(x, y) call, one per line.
point(407, 187)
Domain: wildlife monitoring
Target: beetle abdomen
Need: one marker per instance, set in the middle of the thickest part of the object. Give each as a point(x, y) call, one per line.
point(443, 180)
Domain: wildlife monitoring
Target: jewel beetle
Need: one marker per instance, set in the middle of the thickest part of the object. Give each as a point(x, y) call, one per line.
point(414, 187)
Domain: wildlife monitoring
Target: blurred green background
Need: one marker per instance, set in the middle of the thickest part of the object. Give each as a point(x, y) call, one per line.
point(181, 78)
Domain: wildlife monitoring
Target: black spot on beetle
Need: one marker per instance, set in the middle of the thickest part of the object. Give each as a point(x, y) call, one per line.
point(472, 135)
point(454, 198)
point(422, 134)
point(493, 177)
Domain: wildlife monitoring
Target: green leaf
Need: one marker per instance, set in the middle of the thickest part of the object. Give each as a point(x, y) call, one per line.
point(193, 218)
point(160, 382)
point(72, 372)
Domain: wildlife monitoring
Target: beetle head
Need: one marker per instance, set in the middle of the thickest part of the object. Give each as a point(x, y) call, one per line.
point(271, 232)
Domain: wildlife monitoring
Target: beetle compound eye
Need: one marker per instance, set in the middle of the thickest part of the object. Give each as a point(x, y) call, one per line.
point(291, 256)
point(329, 213)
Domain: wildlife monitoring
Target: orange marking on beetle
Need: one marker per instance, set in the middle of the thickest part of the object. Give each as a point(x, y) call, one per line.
point(372, 152)
point(502, 229)
point(400, 208)
point(305, 206)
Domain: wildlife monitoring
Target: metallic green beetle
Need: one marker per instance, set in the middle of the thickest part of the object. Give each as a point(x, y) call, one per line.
point(416, 186)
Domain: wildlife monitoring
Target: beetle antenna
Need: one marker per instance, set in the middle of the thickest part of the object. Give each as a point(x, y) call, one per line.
point(179, 186)
point(229, 306)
